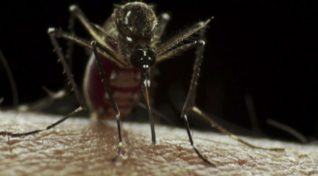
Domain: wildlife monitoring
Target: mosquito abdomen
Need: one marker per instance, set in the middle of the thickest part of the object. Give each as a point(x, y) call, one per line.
point(124, 84)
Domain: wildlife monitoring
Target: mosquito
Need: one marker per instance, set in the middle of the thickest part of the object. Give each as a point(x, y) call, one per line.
point(125, 50)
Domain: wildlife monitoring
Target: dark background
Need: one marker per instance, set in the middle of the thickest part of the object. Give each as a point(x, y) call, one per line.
point(263, 49)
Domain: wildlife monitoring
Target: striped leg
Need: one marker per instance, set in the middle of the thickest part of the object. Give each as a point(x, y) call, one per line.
point(189, 102)
point(108, 93)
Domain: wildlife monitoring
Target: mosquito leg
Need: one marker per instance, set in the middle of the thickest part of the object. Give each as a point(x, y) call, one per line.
point(178, 38)
point(217, 126)
point(70, 44)
point(69, 75)
point(77, 12)
point(252, 113)
point(73, 85)
point(109, 94)
point(7, 133)
point(189, 102)
point(11, 79)
point(178, 50)
point(163, 20)
point(67, 70)
point(47, 101)
point(58, 33)
point(287, 129)
point(189, 105)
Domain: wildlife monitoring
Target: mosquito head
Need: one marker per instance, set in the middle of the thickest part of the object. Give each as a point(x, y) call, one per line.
point(142, 58)
point(135, 23)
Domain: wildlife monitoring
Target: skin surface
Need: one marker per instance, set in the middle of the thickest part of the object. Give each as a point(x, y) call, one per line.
point(86, 147)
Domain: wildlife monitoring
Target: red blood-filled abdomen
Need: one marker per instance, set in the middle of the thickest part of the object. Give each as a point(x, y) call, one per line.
point(125, 86)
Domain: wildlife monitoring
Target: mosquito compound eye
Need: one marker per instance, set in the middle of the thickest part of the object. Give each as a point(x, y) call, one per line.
point(143, 58)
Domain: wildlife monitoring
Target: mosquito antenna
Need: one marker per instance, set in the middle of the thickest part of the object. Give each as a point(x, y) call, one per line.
point(13, 85)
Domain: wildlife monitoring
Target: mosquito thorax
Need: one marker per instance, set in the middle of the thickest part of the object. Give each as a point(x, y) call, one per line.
point(135, 20)
point(143, 58)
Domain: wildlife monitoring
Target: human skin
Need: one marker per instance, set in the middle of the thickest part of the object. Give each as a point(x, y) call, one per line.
point(86, 147)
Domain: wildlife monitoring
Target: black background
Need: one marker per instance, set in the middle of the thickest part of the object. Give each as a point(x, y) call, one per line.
point(265, 49)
